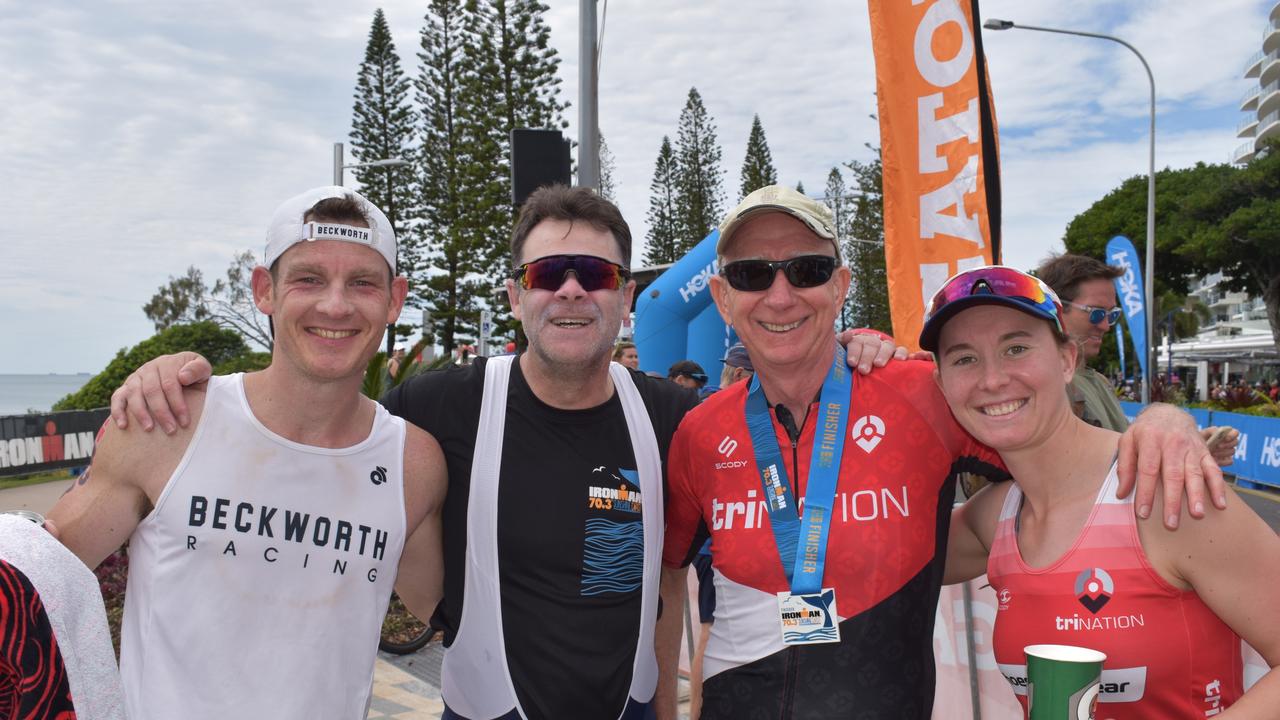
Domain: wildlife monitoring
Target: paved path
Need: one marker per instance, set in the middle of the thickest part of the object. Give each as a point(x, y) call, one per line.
point(407, 686)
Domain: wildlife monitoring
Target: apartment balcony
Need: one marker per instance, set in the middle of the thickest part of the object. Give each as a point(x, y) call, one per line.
point(1243, 154)
point(1268, 127)
point(1269, 98)
point(1271, 36)
point(1246, 126)
point(1253, 67)
point(1270, 68)
point(1249, 102)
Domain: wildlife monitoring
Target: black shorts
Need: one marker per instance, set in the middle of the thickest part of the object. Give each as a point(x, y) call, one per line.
point(706, 588)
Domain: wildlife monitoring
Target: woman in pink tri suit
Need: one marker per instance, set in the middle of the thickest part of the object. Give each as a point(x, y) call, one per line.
point(1069, 563)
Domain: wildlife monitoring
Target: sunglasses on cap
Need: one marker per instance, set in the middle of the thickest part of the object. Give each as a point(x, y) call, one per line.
point(700, 377)
point(593, 273)
point(1097, 314)
point(994, 284)
point(805, 271)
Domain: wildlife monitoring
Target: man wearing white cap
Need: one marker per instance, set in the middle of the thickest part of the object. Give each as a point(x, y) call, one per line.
point(826, 495)
point(264, 537)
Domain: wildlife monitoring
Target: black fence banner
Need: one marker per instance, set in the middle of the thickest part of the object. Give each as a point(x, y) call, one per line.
point(48, 441)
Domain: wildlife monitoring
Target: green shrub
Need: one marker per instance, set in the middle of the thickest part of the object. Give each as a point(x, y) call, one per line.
point(249, 362)
point(216, 344)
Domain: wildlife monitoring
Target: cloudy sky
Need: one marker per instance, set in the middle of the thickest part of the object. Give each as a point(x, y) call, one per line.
point(139, 137)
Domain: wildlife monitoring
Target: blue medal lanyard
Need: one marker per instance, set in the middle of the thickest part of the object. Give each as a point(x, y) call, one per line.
point(804, 540)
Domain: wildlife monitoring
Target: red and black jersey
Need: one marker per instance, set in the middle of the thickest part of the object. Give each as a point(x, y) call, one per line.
point(885, 552)
point(33, 676)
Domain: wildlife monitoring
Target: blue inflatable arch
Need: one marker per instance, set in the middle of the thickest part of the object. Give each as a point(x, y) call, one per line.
point(676, 319)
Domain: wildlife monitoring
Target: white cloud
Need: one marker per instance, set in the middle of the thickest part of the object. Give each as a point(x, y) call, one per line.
point(141, 137)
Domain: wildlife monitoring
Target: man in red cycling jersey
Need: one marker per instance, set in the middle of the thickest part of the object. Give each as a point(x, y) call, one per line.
point(826, 495)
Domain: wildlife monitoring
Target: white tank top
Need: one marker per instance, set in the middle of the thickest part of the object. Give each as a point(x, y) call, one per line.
point(258, 584)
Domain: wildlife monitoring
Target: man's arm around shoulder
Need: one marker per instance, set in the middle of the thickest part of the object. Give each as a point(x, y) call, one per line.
point(130, 468)
point(420, 579)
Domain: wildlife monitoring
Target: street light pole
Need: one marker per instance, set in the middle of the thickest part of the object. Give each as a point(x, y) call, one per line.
point(994, 24)
point(338, 168)
point(588, 93)
point(338, 165)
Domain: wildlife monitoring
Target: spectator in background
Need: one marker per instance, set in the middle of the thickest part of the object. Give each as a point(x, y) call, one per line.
point(394, 362)
point(688, 373)
point(624, 353)
point(1087, 289)
point(737, 366)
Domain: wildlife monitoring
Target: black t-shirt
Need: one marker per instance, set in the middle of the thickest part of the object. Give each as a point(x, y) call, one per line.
point(570, 548)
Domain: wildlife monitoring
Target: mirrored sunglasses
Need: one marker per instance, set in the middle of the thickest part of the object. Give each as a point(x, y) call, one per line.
point(1097, 314)
point(549, 273)
point(1001, 281)
point(805, 271)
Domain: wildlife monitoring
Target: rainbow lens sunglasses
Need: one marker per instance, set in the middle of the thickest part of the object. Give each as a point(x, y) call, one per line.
point(593, 273)
point(805, 271)
point(1003, 282)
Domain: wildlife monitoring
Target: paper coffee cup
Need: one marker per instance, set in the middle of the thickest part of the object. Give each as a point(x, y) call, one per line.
point(1063, 682)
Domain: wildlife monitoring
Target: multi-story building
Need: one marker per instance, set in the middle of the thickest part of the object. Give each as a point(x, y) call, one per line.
point(1235, 343)
point(1261, 104)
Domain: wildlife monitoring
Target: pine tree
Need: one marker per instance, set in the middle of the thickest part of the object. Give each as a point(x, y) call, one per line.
point(514, 85)
point(700, 197)
point(870, 290)
point(836, 197)
point(382, 128)
point(444, 160)
point(608, 190)
point(800, 187)
point(663, 242)
point(757, 166)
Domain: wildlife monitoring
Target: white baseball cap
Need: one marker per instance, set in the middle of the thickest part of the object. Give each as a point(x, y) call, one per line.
point(287, 228)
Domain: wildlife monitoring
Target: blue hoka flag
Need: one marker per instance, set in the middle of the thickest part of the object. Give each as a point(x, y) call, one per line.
point(1120, 253)
point(1120, 348)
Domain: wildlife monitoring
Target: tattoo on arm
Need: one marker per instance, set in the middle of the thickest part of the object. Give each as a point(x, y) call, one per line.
point(84, 478)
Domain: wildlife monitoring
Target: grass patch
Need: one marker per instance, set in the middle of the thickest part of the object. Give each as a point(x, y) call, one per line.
point(34, 479)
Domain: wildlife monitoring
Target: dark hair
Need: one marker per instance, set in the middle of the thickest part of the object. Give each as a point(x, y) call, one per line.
point(344, 210)
point(561, 202)
point(688, 368)
point(620, 348)
point(1065, 273)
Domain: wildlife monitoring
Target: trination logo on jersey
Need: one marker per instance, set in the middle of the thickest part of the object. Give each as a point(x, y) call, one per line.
point(1094, 588)
point(284, 525)
point(860, 506)
point(867, 432)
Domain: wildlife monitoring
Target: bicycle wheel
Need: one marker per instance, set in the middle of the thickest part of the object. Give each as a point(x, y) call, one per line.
point(402, 632)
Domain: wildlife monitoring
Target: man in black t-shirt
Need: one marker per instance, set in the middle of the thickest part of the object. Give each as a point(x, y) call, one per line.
point(570, 548)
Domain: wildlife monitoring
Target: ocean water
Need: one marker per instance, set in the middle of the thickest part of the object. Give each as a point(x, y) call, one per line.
point(20, 394)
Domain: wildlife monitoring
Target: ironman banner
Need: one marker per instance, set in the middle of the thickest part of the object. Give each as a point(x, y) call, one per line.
point(938, 145)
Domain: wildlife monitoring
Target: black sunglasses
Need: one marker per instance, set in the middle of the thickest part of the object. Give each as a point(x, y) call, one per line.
point(805, 271)
point(593, 273)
